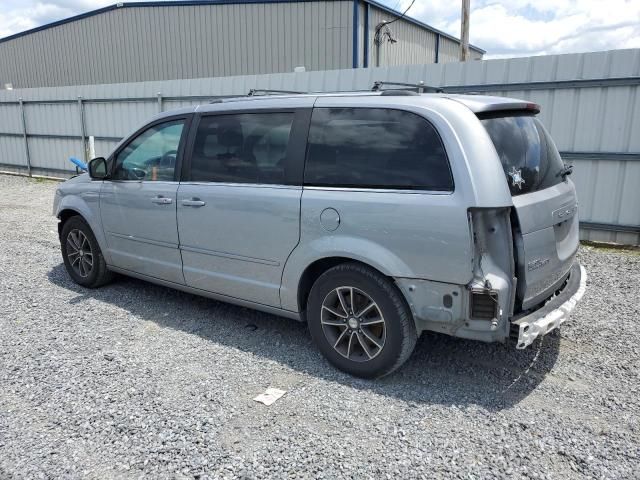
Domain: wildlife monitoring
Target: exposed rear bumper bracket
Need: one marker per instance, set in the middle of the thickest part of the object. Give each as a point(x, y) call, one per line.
point(554, 312)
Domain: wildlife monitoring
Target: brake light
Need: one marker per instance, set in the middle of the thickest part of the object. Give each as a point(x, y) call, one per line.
point(533, 107)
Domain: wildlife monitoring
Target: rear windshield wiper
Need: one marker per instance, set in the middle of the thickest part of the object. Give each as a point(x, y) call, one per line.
point(566, 170)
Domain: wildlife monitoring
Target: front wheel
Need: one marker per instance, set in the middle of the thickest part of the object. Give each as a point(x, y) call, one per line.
point(82, 255)
point(360, 321)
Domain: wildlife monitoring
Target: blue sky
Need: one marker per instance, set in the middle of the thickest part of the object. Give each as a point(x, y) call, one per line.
point(503, 28)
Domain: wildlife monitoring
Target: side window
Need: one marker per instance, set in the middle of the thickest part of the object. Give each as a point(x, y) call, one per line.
point(241, 148)
point(151, 156)
point(375, 148)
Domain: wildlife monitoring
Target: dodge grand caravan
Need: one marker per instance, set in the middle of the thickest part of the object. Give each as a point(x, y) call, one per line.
point(371, 216)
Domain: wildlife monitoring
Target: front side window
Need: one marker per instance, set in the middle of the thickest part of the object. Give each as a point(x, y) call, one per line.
point(151, 156)
point(242, 148)
point(375, 148)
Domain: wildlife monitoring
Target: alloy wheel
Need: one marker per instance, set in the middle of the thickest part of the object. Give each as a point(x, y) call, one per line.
point(79, 253)
point(353, 324)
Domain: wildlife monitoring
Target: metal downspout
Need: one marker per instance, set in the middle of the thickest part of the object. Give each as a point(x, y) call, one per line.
point(355, 34)
point(365, 60)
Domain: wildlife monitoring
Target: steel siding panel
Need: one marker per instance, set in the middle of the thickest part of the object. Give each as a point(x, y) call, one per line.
point(597, 119)
point(10, 119)
point(11, 151)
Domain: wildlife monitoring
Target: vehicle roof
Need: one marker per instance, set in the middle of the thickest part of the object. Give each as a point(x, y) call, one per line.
point(476, 103)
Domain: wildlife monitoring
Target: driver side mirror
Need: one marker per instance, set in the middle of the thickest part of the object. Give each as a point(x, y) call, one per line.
point(98, 168)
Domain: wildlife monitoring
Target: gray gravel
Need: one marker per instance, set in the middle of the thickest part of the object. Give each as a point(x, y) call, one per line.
point(134, 380)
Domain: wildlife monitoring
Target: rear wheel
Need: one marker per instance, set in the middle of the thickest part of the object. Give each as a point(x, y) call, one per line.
point(360, 321)
point(82, 255)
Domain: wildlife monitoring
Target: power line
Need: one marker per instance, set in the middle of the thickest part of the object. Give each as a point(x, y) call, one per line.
point(403, 14)
point(376, 35)
point(377, 40)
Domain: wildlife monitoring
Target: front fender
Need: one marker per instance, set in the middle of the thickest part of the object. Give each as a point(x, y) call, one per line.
point(86, 204)
point(358, 249)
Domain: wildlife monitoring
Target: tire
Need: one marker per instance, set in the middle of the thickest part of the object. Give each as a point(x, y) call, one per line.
point(77, 233)
point(368, 348)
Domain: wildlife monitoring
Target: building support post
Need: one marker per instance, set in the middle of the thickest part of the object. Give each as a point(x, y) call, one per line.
point(83, 131)
point(464, 31)
point(355, 33)
point(365, 41)
point(24, 136)
point(437, 48)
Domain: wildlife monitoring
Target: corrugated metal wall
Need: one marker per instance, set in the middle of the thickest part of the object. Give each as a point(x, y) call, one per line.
point(187, 41)
point(590, 102)
point(416, 45)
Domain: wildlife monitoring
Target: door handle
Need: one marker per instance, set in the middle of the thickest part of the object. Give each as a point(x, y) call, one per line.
point(160, 200)
point(193, 202)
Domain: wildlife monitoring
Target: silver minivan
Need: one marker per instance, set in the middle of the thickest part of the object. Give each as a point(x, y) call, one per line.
point(371, 216)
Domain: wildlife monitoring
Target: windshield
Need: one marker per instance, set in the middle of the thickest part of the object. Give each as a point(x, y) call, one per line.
point(529, 157)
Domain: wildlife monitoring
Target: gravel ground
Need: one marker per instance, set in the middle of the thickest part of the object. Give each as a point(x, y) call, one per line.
point(134, 380)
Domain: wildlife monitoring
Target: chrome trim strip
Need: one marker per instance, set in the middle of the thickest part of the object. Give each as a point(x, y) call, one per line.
point(378, 190)
point(253, 185)
point(231, 256)
point(144, 240)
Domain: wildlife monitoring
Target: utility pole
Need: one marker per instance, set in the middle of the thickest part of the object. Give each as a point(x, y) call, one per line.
point(464, 31)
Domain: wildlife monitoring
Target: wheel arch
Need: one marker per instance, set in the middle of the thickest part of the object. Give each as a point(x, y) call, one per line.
point(64, 215)
point(315, 269)
point(73, 205)
point(310, 259)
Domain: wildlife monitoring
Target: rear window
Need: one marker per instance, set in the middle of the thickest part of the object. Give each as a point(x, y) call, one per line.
point(375, 148)
point(529, 157)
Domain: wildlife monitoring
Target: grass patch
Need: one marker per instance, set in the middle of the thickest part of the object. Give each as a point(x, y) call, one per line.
point(611, 247)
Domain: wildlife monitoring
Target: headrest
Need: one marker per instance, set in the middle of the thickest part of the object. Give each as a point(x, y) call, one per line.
point(230, 134)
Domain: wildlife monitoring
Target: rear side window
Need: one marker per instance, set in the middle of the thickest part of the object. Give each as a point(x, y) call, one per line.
point(241, 148)
point(375, 148)
point(529, 157)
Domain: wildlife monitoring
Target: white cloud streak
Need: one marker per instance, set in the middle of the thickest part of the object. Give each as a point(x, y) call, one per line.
point(503, 28)
point(526, 27)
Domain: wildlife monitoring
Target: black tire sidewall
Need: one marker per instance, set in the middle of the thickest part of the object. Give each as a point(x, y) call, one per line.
point(373, 285)
point(79, 224)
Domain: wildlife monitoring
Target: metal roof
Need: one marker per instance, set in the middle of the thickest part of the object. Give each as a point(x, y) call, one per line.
point(175, 3)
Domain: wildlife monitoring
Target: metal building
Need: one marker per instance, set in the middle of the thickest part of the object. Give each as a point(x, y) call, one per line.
point(130, 42)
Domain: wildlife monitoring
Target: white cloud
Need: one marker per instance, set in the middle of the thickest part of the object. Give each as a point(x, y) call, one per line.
point(20, 15)
point(526, 27)
point(503, 28)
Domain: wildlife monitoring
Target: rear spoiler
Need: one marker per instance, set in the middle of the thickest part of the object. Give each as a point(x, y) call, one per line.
point(487, 104)
point(528, 107)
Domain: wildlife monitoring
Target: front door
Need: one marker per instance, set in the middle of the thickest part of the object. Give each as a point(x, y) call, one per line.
point(138, 202)
point(239, 210)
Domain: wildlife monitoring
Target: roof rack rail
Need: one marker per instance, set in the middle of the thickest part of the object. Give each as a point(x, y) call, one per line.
point(257, 92)
point(221, 98)
point(418, 87)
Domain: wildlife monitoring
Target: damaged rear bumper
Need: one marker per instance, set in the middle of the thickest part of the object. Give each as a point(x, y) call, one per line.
point(554, 312)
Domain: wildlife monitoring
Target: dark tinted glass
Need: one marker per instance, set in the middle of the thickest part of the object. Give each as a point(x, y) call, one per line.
point(529, 157)
point(375, 148)
point(242, 148)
